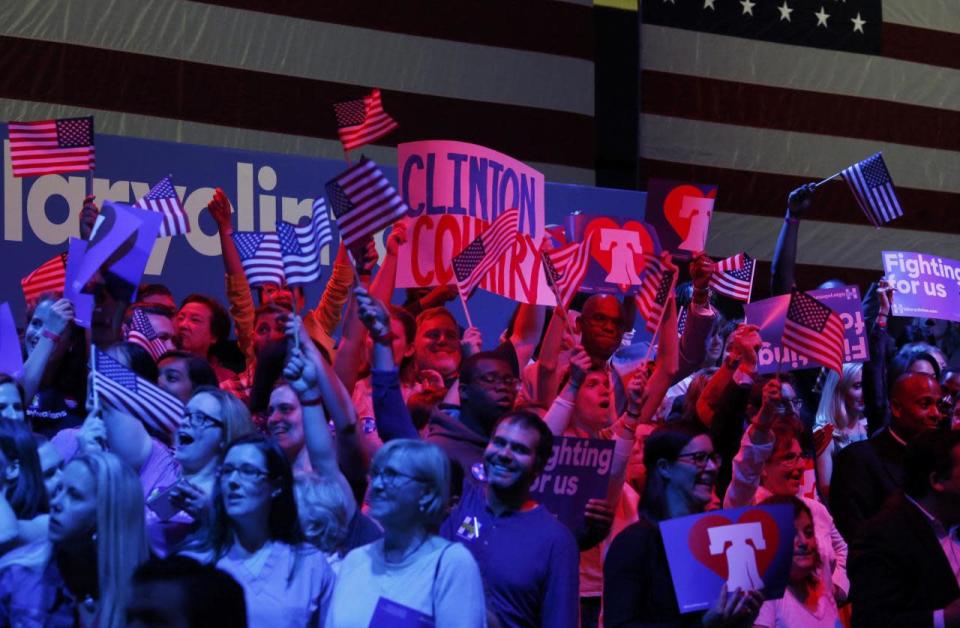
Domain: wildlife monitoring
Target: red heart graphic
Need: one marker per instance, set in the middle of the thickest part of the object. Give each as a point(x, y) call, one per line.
point(674, 203)
point(604, 257)
point(699, 541)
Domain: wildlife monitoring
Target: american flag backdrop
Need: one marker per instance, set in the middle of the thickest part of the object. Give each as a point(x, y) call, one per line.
point(362, 121)
point(733, 277)
point(477, 258)
point(363, 202)
point(124, 390)
point(872, 186)
point(814, 331)
point(48, 277)
point(514, 76)
point(51, 146)
point(761, 97)
point(163, 199)
point(261, 256)
point(652, 296)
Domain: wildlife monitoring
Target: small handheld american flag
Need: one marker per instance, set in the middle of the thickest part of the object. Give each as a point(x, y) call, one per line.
point(261, 257)
point(654, 291)
point(162, 198)
point(362, 121)
point(565, 268)
point(363, 202)
point(124, 390)
point(733, 277)
point(478, 257)
point(48, 277)
point(51, 146)
point(141, 332)
point(870, 182)
point(814, 331)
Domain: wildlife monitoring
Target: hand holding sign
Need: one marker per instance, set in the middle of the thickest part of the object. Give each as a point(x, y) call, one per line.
point(733, 608)
point(885, 293)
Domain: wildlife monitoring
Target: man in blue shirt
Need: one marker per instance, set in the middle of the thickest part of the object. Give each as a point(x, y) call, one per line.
point(528, 559)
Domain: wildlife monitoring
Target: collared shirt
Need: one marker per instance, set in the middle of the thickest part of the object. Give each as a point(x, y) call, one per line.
point(948, 543)
point(33, 595)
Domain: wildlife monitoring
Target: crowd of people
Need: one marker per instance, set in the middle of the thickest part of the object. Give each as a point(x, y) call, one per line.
point(359, 462)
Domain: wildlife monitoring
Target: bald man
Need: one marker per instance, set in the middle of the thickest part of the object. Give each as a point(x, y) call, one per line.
point(865, 474)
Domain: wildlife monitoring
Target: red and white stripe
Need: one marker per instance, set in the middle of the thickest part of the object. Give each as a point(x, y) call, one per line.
point(48, 277)
point(35, 150)
point(375, 125)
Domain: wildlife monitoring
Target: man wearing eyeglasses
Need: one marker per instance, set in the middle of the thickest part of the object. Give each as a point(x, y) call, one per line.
point(488, 389)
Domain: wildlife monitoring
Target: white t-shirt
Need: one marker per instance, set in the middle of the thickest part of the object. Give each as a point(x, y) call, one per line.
point(452, 594)
point(788, 612)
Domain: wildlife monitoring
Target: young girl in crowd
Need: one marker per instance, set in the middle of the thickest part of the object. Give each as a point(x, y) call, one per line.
point(96, 541)
point(254, 535)
point(411, 573)
point(807, 601)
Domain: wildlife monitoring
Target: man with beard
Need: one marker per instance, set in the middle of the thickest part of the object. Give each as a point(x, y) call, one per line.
point(865, 474)
point(527, 558)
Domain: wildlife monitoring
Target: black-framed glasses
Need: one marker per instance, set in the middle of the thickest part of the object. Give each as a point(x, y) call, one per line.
point(200, 420)
point(391, 477)
point(247, 472)
point(700, 458)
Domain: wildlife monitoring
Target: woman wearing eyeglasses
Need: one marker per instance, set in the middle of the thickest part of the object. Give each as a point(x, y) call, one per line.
point(770, 463)
point(681, 468)
point(255, 536)
point(212, 418)
point(411, 576)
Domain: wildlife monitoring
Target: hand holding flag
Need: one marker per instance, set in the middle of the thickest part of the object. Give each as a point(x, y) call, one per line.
point(163, 199)
point(565, 268)
point(656, 287)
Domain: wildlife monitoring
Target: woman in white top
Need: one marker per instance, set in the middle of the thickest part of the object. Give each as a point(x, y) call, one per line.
point(411, 576)
point(807, 601)
point(255, 536)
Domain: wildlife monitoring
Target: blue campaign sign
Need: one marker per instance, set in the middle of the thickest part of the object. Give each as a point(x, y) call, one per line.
point(747, 548)
point(578, 470)
point(770, 314)
point(40, 214)
point(927, 286)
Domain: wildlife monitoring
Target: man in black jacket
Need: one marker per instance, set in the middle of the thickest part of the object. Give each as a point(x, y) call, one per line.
point(865, 474)
point(904, 567)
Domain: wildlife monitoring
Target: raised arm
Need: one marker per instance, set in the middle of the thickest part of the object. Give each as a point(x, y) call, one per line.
point(785, 255)
point(389, 408)
point(700, 318)
point(756, 447)
point(558, 416)
point(526, 331)
point(239, 296)
point(386, 278)
point(55, 323)
point(738, 368)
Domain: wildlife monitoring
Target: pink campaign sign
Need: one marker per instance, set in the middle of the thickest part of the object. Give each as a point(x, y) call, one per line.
point(454, 191)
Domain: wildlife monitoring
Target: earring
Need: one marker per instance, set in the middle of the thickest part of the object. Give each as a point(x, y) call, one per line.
point(423, 508)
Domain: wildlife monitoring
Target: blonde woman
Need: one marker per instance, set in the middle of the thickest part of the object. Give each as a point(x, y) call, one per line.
point(96, 541)
point(411, 572)
point(840, 414)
